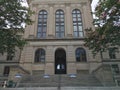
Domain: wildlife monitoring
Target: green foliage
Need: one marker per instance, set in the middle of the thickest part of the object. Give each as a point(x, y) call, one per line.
point(107, 32)
point(13, 18)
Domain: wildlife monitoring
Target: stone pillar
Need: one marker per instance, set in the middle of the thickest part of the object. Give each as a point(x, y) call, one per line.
point(70, 54)
point(27, 58)
point(49, 54)
point(68, 21)
point(87, 18)
point(32, 29)
point(49, 65)
point(71, 65)
point(50, 22)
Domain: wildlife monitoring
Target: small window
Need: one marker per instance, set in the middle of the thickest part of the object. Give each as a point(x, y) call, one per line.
point(80, 55)
point(118, 82)
point(112, 53)
point(6, 70)
point(9, 57)
point(40, 55)
point(115, 69)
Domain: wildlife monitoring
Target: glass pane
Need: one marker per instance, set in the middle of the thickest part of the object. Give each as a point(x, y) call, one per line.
point(75, 34)
point(57, 20)
point(74, 19)
point(45, 12)
point(80, 28)
point(62, 24)
point(39, 35)
point(57, 35)
point(40, 16)
point(45, 16)
point(61, 19)
point(62, 28)
point(74, 15)
point(75, 28)
point(61, 16)
point(62, 35)
point(44, 24)
point(57, 16)
point(79, 23)
point(44, 34)
point(78, 11)
point(78, 15)
point(39, 29)
point(57, 24)
point(75, 24)
point(39, 20)
point(61, 12)
point(79, 19)
point(80, 34)
point(73, 11)
point(44, 29)
point(57, 28)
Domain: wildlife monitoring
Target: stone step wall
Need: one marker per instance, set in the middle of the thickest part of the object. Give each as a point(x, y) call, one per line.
point(64, 88)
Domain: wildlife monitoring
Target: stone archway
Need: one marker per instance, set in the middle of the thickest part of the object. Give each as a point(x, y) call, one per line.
point(60, 61)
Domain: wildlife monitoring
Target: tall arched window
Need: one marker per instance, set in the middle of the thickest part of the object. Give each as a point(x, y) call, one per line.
point(40, 55)
point(42, 24)
point(77, 23)
point(59, 24)
point(80, 55)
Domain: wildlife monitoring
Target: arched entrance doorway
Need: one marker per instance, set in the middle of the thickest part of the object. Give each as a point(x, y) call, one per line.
point(60, 61)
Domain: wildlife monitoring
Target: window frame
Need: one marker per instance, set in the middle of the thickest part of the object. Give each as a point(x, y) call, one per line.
point(40, 55)
point(42, 24)
point(59, 24)
point(77, 23)
point(112, 53)
point(81, 55)
point(6, 71)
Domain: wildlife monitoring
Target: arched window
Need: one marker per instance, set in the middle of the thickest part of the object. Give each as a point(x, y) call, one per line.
point(42, 24)
point(40, 55)
point(59, 24)
point(77, 23)
point(80, 55)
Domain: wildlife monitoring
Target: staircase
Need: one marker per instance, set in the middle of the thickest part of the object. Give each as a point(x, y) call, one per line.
point(81, 79)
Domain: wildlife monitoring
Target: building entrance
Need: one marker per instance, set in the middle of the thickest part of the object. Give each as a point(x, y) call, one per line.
point(60, 61)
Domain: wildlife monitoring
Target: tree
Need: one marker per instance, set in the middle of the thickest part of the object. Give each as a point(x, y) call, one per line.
point(13, 18)
point(107, 27)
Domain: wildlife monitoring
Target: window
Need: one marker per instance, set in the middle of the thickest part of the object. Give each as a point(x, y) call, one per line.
point(42, 24)
point(40, 55)
point(59, 24)
point(115, 69)
point(112, 53)
point(80, 55)
point(6, 70)
point(10, 57)
point(77, 23)
point(118, 82)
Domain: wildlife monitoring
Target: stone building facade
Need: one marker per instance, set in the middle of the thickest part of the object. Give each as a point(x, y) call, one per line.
point(56, 43)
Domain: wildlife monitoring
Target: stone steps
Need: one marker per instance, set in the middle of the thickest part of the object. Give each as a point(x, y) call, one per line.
point(56, 80)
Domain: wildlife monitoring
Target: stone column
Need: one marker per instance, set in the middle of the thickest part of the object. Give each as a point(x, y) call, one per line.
point(49, 65)
point(50, 22)
point(68, 21)
point(71, 65)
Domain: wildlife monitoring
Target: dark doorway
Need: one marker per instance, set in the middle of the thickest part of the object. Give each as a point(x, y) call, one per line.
point(60, 61)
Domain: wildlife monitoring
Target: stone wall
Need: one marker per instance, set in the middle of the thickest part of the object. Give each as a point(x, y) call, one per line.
point(64, 88)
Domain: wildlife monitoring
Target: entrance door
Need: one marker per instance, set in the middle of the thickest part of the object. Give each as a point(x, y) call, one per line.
point(60, 61)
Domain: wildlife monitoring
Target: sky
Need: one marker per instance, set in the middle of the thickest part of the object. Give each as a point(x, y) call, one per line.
point(94, 3)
